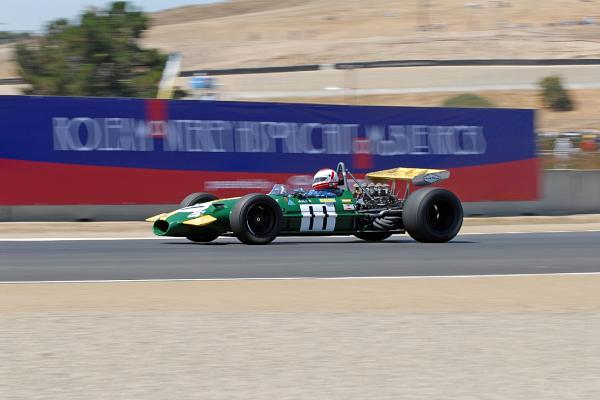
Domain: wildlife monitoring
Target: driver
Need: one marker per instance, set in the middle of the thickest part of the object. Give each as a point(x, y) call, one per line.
point(325, 184)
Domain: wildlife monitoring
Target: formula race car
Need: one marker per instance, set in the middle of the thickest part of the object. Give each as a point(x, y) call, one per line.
point(371, 211)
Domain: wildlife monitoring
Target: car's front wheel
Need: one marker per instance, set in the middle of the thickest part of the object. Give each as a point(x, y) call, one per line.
point(192, 200)
point(197, 198)
point(256, 219)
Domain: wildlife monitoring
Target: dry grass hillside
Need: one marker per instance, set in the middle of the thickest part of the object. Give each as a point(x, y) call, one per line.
point(211, 11)
point(279, 32)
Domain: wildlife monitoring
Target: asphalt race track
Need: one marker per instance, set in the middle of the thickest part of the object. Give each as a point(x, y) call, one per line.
point(295, 257)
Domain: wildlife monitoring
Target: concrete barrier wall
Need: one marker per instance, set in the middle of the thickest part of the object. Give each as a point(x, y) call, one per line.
point(564, 192)
point(576, 191)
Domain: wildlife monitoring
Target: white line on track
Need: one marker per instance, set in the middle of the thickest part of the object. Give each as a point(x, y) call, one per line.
point(526, 232)
point(302, 278)
point(83, 239)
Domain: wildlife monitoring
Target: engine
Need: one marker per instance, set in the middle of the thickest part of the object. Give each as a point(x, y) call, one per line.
point(374, 197)
point(381, 207)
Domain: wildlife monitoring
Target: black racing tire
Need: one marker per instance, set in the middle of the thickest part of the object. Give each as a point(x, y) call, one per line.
point(203, 238)
point(192, 200)
point(373, 236)
point(432, 215)
point(256, 219)
point(197, 198)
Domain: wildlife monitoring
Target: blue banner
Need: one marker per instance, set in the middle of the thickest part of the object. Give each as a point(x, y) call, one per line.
point(269, 138)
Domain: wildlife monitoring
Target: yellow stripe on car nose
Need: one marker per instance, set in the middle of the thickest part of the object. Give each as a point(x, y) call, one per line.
point(201, 221)
point(155, 218)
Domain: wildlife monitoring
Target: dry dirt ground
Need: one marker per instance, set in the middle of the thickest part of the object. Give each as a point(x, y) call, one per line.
point(471, 338)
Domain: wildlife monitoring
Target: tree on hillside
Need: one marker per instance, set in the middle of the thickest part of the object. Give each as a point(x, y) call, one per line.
point(98, 56)
point(554, 95)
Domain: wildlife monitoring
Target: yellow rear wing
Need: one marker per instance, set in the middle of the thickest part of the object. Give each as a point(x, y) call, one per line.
point(418, 176)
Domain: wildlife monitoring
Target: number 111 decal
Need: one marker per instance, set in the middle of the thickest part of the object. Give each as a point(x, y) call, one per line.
point(318, 217)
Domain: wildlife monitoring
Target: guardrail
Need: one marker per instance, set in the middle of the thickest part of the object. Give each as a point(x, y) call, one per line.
point(396, 64)
point(372, 64)
point(11, 81)
point(464, 63)
point(258, 70)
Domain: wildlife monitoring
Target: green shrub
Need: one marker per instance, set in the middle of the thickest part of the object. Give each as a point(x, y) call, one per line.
point(468, 100)
point(554, 95)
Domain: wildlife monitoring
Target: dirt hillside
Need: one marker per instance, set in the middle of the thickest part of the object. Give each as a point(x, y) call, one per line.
point(281, 32)
point(271, 32)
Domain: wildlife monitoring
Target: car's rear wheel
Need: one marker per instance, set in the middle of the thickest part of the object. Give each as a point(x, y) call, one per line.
point(197, 198)
point(373, 236)
point(432, 215)
point(256, 219)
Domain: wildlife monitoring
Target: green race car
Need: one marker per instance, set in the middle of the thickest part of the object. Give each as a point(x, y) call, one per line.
point(371, 211)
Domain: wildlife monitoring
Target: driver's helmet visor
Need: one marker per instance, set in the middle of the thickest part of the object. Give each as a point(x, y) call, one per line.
point(320, 179)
